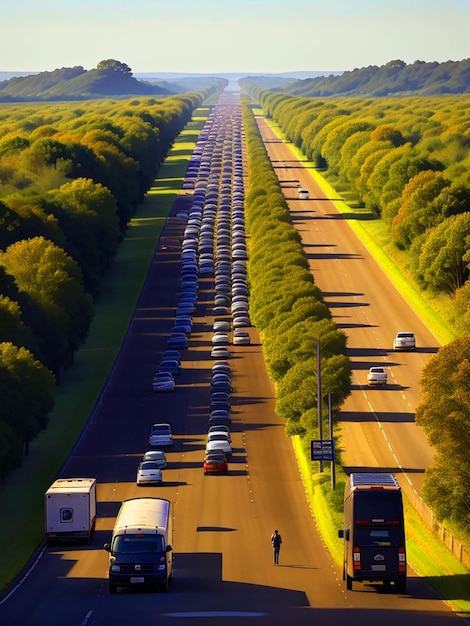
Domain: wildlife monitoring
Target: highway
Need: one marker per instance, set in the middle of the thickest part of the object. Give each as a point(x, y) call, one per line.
point(223, 558)
point(377, 424)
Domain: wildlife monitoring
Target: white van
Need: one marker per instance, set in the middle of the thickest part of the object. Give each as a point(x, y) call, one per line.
point(140, 551)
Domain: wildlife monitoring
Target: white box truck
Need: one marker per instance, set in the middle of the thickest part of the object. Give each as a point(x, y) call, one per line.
point(140, 551)
point(70, 510)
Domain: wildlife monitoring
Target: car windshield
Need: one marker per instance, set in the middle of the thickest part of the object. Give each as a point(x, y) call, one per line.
point(160, 430)
point(138, 544)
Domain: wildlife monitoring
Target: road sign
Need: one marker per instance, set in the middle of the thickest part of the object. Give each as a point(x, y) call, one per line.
point(322, 450)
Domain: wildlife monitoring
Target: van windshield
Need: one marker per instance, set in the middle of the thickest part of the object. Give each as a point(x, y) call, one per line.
point(138, 544)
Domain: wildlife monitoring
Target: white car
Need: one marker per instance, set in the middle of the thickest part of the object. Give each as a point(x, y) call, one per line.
point(163, 381)
point(220, 352)
point(377, 376)
point(404, 340)
point(156, 455)
point(221, 429)
point(303, 194)
point(221, 326)
point(148, 473)
point(220, 339)
point(219, 442)
point(241, 337)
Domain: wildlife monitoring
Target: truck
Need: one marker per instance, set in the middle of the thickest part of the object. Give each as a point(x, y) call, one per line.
point(377, 376)
point(140, 550)
point(70, 510)
point(374, 531)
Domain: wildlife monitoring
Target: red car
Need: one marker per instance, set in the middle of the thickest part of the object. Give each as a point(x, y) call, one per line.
point(215, 463)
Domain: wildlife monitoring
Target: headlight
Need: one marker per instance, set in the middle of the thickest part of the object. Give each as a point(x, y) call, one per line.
point(115, 568)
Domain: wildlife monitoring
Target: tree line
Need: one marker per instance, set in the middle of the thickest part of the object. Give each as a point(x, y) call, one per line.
point(393, 78)
point(406, 160)
point(286, 306)
point(72, 176)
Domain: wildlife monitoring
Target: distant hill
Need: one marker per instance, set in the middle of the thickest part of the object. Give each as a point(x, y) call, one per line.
point(76, 83)
point(393, 78)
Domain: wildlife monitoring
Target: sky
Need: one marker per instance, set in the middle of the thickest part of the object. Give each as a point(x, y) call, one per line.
point(223, 36)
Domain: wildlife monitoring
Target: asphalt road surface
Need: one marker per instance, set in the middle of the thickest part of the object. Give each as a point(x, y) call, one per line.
point(224, 570)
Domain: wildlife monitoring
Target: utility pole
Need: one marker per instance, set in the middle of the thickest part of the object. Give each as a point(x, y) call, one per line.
point(319, 400)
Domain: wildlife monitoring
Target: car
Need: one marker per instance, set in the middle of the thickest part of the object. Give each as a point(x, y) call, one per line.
point(220, 429)
point(219, 416)
point(241, 321)
point(160, 435)
point(215, 463)
point(221, 326)
point(223, 405)
point(173, 367)
point(220, 396)
point(181, 327)
point(404, 340)
point(158, 456)
point(220, 352)
point(222, 299)
point(224, 386)
point(303, 194)
point(221, 366)
point(171, 355)
point(241, 337)
point(163, 381)
point(377, 376)
point(149, 473)
point(220, 339)
point(220, 309)
point(219, 442)
point(185, 307)
point(177, 340)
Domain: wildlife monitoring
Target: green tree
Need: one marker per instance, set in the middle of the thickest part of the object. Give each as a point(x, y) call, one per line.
point(444, 415)
point(88, 215)
point(27, 389)
point(53, 282)
point(114, 66)
point(441, 264)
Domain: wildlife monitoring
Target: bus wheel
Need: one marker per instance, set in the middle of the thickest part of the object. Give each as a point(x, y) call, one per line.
point(348, 582)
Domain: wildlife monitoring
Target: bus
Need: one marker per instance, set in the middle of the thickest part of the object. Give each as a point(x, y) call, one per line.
point(374, 531)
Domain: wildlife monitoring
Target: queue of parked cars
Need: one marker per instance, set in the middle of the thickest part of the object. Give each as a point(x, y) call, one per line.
point(214, 249)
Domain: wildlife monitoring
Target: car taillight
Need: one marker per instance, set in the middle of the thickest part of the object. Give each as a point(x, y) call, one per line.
point(357, 558)
point(401, 560)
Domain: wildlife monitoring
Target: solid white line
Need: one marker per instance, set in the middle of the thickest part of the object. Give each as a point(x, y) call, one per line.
point(17, 586)
point(87, 617)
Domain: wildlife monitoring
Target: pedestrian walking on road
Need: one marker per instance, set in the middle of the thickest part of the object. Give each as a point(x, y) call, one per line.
point(276, 541)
